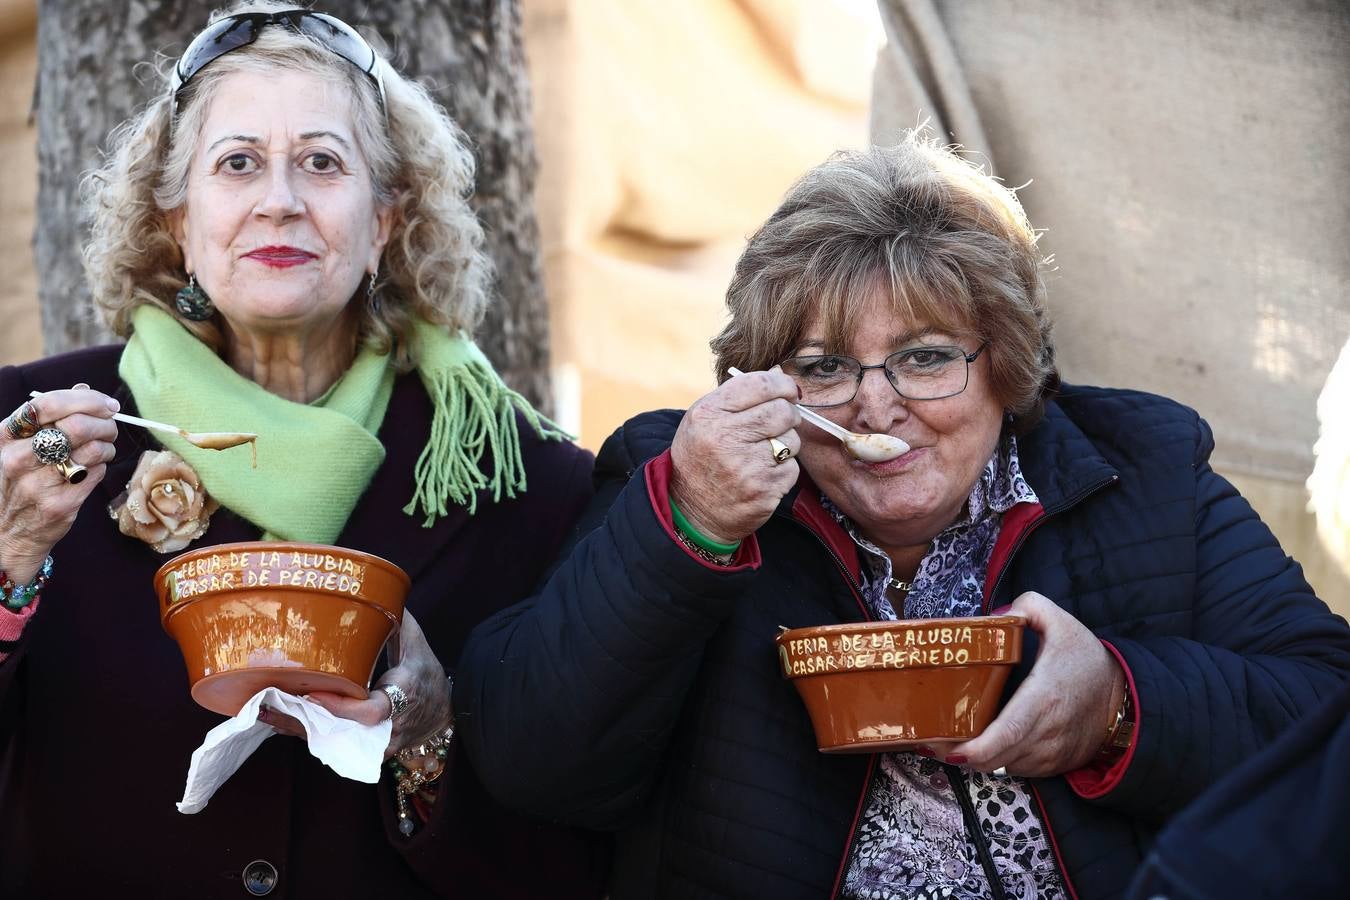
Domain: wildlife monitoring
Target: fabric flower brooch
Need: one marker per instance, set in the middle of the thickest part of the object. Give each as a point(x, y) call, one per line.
point(164, 503)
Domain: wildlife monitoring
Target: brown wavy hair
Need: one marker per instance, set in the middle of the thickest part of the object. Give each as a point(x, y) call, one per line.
point(433, 267)
point(947, 242)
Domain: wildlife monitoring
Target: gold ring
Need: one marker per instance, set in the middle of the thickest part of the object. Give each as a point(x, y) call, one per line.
point(22, 423)
point(72, 471)
point(781, 452)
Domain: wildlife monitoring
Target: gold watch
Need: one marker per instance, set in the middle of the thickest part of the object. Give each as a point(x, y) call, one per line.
point(1121, 733)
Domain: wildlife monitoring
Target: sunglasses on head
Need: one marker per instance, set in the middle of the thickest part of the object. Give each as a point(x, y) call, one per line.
point(242, 29)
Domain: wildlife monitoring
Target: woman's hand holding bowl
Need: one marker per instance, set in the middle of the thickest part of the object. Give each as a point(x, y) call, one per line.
point(1057, 718)
point(417, 672)
point(37, 504)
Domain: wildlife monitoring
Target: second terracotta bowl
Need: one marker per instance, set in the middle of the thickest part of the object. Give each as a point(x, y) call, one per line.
point(874, 686)
point(300, 617)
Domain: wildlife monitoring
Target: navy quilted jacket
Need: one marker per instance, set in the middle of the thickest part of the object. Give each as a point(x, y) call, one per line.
point(639, 691)
point(1272, 828)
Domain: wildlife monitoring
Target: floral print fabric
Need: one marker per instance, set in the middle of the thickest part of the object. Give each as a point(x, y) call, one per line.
point(913, 840)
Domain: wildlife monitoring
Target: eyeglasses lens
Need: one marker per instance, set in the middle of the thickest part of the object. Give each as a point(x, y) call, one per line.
point(916, 373)
point(339, 37)
point(214, 42)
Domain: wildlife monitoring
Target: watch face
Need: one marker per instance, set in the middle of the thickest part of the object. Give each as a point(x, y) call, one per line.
point(1124, 734)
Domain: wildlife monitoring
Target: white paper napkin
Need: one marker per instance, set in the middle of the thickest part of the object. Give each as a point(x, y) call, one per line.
point(349, 748)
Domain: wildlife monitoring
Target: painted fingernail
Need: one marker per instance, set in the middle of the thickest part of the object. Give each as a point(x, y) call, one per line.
point(956, 759)
point(925, 751)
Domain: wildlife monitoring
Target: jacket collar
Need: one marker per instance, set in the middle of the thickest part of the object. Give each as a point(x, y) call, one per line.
point(1060, 462)
point(802, 503)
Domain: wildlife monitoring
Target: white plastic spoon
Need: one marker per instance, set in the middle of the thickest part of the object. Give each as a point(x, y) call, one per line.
point(872, 448)
point(207, 440)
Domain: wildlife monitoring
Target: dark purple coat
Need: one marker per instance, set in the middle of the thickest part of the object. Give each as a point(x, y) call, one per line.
point(97, 727)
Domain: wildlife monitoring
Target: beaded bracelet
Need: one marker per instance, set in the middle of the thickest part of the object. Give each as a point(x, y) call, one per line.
point(416, 767)
point(697, 538)
point(17, 596)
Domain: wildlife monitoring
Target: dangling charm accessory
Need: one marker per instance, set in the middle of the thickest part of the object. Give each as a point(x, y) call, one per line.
point(192, 303)
point(372, 298)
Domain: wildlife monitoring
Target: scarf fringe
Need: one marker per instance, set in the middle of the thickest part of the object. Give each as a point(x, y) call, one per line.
point(474, 413)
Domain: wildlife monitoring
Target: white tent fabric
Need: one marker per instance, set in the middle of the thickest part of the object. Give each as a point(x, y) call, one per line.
point(1329, 485)
point(667, 133)
point(1187, 161)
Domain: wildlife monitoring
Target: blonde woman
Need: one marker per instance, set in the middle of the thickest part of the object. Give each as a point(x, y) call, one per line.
point(283, 239)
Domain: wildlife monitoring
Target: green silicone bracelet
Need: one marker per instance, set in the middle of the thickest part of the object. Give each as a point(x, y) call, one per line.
point(693, 534)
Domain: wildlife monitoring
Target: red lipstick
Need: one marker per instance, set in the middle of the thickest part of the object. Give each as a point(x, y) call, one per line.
point(281, 257)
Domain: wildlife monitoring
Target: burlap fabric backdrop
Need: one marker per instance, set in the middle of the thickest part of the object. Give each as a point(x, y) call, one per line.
point(1188, 162)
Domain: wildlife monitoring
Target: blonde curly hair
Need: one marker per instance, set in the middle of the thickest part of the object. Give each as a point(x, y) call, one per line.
point(433, 267)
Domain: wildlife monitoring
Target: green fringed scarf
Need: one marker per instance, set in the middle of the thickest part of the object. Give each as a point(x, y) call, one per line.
point(316, 460)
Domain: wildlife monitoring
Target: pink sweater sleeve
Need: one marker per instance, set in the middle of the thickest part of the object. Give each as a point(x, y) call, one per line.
point(12, 625)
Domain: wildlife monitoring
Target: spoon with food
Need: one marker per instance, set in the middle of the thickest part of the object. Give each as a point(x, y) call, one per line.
point(872, 448)
point(207, 440)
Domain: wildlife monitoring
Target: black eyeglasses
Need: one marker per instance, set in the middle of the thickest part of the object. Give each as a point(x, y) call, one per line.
point(242, 29)
point(916, 373)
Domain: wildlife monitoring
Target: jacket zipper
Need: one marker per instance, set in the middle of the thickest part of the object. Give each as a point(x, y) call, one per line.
point(859, 808)
point(872, 762)
point(961, 788)
point(1054, 845)
point(839, 564)
point(998, 582)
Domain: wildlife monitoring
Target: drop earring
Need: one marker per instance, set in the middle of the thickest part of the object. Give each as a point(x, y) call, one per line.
point(372, 298)
point(192, 303)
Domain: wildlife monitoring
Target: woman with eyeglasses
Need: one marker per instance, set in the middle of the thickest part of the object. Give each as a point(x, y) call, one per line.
point(284, 239)
point(896, 292)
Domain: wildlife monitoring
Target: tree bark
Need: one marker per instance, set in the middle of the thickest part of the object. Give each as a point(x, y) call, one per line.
point(468, 52)
point(86, 86)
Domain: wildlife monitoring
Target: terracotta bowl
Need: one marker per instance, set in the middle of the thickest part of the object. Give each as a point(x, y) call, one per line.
point(874, 686)
point(300, 617)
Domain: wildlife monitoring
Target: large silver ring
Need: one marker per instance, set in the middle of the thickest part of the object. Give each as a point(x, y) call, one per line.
point(23, 422)
point(51, 446)
point(399, 701)
point(781, 452)
point(1000, 772)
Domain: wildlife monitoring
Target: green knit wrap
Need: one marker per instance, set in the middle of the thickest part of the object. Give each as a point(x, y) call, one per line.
point(316, 460)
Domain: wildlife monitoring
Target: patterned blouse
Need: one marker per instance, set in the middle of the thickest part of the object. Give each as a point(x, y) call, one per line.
point(915, 838)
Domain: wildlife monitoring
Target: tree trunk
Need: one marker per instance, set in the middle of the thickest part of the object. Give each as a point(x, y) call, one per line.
point(468, 51)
